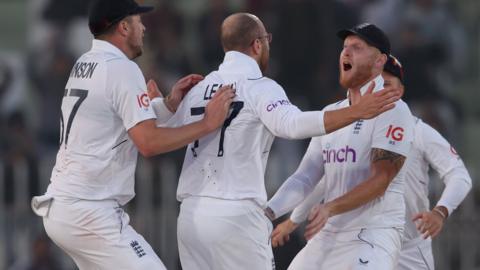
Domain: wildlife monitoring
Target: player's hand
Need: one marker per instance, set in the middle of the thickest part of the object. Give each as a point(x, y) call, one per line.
point(429, 224)
point(152, 90)
point(180, 89)
point(218, 107)
point(281, 234)
point(372, 104)
point(316, 220)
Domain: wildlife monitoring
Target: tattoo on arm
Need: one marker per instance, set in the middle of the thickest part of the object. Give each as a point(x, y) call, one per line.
point(380, 154)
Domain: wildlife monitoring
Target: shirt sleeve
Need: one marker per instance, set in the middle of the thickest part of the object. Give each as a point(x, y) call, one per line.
point(301, 212)
point(445, 160)
point(283, 118)
point(129, 99)
point(393, 130)
point(162, 113)
point(296, 188)
point(183, 115)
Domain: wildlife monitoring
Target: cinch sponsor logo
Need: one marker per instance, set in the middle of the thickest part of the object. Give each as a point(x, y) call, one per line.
point(275, 104)
point(339, 156)
point(143, 101)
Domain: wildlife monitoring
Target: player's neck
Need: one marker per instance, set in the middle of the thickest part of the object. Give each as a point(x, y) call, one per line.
point(354, 95)
point(119, 43)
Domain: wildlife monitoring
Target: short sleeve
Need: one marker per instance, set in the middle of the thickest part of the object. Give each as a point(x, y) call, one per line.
point(162, 113)
point(183, 114)
point(393, 130)
point(128, 89)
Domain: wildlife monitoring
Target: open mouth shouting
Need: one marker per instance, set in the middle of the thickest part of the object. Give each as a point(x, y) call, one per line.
point(346, 66)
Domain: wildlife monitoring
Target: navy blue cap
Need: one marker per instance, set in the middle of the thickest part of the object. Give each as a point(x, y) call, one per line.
point(371, 34)
point(105, 13)
point(394, 67)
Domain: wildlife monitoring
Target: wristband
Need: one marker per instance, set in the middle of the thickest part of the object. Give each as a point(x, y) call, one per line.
point(439, 212)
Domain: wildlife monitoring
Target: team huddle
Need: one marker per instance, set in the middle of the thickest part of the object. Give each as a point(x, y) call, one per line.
point(362, 183)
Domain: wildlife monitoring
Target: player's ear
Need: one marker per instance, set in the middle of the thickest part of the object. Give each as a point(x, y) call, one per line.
point(257, 46)
point(123, 27)
point(382, 60)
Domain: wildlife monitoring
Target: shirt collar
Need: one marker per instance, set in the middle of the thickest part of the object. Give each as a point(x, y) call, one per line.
point(101, 45)
point(378, 85)
point(238, 62)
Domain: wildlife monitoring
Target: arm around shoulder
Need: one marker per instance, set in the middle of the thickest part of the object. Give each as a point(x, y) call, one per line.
point(152, 140)
point(280, 116)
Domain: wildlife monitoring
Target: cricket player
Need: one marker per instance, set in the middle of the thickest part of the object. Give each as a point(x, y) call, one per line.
point(429, 149)
point(221, 224)
point(361, 170)
point(106, 119)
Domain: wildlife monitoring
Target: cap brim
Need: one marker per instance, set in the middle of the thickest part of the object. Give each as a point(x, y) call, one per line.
point(142, 9)
point(343, 34)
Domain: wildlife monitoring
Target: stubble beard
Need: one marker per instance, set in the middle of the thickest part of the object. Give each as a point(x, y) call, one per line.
point(264, 61)
point(137, 51)
point(135, 47)
point(357, 79)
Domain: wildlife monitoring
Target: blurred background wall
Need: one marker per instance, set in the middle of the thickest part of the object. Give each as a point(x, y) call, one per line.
point(438, 42)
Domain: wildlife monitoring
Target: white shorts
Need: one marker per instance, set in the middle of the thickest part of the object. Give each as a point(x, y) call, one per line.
point(219, 234)
point(95, 234)
point(374, 249)
point(416, 254)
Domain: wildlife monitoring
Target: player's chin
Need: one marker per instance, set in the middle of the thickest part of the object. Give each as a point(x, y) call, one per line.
point(348, 79)
point(345, 81)
point(138, 51)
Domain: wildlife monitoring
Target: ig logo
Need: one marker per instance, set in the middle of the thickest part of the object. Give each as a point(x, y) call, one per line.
point(395, 133)
point(143, 101)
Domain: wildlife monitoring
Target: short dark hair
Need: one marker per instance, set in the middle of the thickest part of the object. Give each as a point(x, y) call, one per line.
point(111, 29)
point(240, 35)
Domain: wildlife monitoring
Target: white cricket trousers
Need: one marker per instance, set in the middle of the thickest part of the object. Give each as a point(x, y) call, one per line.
point(416, 254)
point(216, 234)
point(95, 234)
point(366, 249)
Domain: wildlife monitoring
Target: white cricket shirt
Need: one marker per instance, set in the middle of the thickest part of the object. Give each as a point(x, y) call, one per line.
point(104, 97)
point(230, 162)
point(431, 149)
point(343, 159)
